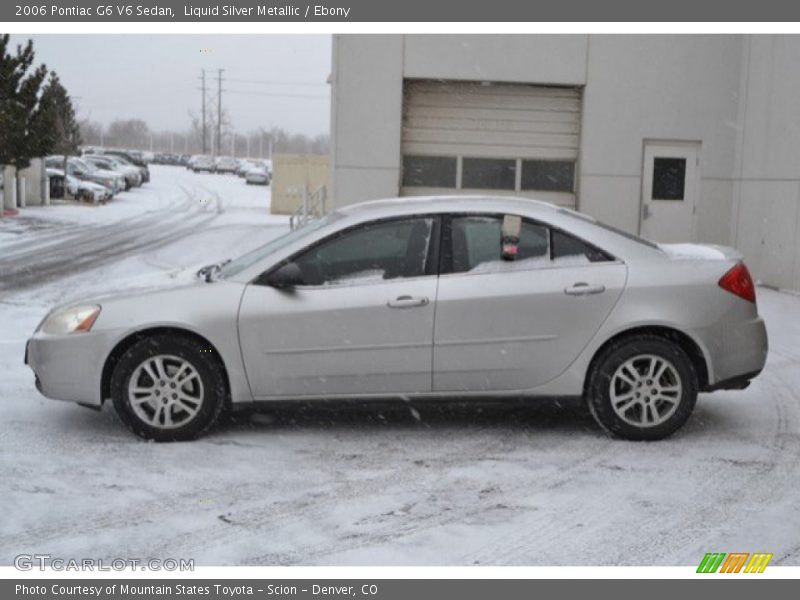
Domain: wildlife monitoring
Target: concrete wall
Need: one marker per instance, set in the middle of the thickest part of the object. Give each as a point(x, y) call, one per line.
point(35, 182)
point(34, 186)
point(735, 95)
point(367, 103)
point(658, 88)
point(766, 198)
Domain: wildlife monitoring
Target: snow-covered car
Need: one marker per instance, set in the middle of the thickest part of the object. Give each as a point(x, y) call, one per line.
point(87, 191)
point(132, 175)
point(226, 164)
point(203, 163)
point(132, 157)
point(248, 164)
point(243, 166)
point(81, 169)
point(257, 176)
point(530, 300)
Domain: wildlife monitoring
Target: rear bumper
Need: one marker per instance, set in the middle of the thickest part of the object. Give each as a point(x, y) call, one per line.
point(740, 382)
point(738, 354)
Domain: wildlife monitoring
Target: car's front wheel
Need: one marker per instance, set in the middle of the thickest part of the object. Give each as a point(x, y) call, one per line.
point(642, 388)
point(168, 388)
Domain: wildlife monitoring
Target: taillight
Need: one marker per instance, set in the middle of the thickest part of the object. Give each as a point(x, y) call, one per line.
point(738, 281)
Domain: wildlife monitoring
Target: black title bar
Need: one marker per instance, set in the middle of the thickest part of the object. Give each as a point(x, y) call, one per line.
point(401, 10)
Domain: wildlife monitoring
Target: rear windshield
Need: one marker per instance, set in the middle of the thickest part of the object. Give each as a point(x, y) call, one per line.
point(625, 234)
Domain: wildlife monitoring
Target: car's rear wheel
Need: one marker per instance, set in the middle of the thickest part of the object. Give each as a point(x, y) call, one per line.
point(642, 388)
point(168, 388)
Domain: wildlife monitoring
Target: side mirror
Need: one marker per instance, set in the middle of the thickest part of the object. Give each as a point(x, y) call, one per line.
point(286, 276)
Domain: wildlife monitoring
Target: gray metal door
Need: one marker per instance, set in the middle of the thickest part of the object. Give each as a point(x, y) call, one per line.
point(518, 330)
point(348, 340)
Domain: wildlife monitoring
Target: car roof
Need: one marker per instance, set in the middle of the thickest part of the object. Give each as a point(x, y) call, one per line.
point(460, 203)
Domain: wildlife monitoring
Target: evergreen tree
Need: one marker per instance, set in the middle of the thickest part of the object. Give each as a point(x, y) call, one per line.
point(55, 125)
point(20, 111)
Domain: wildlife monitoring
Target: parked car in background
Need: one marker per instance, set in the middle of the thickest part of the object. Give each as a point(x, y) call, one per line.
point(203, 163)
point(81, 169)
point(131, 173)
point(134, 157)
point(243, 166)
point(257, 176)
point(247, 164)
point(83, 190)
point(530, 300)
point(226, 164)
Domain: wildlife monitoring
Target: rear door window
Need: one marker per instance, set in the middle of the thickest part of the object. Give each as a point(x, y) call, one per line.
point(476, 245)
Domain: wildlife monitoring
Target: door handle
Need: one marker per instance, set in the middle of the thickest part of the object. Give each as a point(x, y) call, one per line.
point(646, 211)
point(584, 289)
point(407, 302)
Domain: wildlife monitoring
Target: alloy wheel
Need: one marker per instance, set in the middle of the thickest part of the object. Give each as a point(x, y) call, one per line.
point(645, 390)
point(165, 391)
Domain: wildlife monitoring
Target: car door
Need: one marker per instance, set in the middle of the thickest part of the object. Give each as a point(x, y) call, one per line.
point(360, 323)
point(516, 324)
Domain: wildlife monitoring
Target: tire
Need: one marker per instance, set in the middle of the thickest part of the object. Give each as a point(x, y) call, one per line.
point(649, 407)
point(171, 411)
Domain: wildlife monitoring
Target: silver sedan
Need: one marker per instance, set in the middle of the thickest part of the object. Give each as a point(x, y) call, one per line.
point(458, 297)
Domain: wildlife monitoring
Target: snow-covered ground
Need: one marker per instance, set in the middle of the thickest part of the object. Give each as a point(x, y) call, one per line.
point(395, 483)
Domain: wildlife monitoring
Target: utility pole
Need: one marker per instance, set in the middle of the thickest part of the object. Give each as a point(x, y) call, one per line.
point(203, 78)
point(233, 144)
point(261, 144)
point(219, 110)
point(247, 146)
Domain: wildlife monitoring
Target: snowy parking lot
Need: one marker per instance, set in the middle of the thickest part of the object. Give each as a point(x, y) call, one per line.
point(421, 483)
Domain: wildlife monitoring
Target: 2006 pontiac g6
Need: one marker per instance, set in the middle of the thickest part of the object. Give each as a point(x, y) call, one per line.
point(460, 297)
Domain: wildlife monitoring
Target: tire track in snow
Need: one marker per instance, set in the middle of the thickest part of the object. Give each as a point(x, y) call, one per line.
point(100, 246)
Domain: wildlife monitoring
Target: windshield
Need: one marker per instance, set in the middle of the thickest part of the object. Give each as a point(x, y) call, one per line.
point(246, 261)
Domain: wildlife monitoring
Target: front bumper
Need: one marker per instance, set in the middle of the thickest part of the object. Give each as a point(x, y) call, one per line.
point(69, 367)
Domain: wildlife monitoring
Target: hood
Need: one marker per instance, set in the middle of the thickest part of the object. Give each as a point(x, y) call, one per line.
point(141, 285)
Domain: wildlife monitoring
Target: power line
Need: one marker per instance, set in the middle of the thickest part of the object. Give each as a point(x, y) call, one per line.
point(274, 82)
point(278, 95)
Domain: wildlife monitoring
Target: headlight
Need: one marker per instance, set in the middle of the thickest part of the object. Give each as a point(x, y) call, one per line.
point(76, 319)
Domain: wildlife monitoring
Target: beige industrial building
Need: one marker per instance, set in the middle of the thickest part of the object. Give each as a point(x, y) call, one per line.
point(677, 138)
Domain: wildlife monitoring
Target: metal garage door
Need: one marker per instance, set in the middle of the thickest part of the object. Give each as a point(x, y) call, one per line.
point(465, 137)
